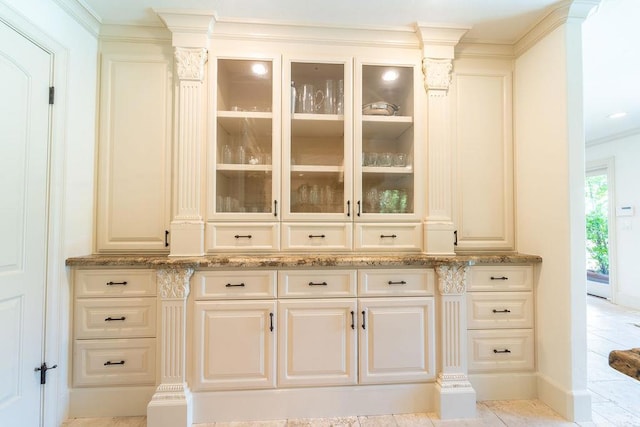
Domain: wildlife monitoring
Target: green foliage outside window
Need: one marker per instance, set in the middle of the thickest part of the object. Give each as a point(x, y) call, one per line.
point(597, 224)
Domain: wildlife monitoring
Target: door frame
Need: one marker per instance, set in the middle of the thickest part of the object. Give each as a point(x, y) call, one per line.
point(55, 397)
point(607, 165)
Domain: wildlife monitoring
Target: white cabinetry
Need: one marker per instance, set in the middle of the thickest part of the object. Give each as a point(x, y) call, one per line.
point(234, 339)
point(481, 95)
point(114, 328)
point(134, 148)
point(500, 319)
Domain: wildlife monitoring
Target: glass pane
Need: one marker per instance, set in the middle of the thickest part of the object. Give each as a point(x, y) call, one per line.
point(387, 140)
point(244, 85)
point(317, 138)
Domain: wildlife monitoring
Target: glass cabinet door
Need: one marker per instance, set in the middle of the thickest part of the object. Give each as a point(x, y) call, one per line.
point(385, 149)
point(317, 140)
point(245, 150)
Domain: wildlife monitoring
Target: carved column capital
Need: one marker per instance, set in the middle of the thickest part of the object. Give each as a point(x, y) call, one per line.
point(190, 63)
point(173, 283)
point(452, 278)
point(437, 75)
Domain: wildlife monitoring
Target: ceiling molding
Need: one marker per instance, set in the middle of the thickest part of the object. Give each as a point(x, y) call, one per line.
point(613, 137)
point(134, 33)
point(82, 13)
point(471, 49)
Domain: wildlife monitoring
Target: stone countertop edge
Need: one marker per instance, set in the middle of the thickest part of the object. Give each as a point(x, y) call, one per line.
point(298, 260)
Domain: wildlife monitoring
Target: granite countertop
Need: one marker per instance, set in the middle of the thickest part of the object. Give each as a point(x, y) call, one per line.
point(293, 260)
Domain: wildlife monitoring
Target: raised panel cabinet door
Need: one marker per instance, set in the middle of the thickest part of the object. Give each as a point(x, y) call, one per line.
point(133, 194)
point(484, 192)
point(396, 342)
point(234, 345)
point(317, 342)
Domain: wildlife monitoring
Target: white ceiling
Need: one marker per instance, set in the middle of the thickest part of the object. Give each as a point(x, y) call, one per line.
point(611, 67)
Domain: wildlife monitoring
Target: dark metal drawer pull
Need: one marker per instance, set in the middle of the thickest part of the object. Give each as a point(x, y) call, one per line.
point(506, 310)
point(240, 236)
point(401, 282)
point(317, 284)
point(271, 322)
point(364, 313)
point(353, 320)
point(499, 278)
point(239, 285)
point(110, 319)
point(390, 236)
point(110, 363)
point(506, 350)
point(116, 283)
point(322, 236)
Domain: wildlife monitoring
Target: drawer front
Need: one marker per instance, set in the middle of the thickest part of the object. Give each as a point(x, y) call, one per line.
point(500, 278)
point(244, 237)
point(238, 284)
point(500, 350)
point(114, 283)
point(384, 237)
point(316, 283)
point(396, 282)
point(490, 310)
point(114, 362)
point(115, 317)
point(316, 237)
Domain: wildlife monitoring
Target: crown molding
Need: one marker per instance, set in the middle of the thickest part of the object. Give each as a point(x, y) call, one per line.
point(613, 137)
point(82, 13)
point(134, 33)
point(556, 16)
point(473, 49)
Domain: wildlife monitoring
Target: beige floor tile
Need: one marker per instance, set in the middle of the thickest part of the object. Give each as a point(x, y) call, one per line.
point(413, 420)
point(377, 421)
point(324, 422)
point(270, 423)
point(526, 413)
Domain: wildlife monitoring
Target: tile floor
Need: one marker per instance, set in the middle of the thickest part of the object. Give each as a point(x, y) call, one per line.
point(615, 401)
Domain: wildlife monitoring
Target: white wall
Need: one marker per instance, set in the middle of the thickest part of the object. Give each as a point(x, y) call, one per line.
point(72, 168)
point(626, 154)
point(550, 214)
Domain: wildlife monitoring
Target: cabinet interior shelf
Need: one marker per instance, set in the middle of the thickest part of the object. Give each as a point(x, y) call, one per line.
point(317, 169)
point(385, 127)
point(243, 167)
point(233, 122)
point(317, 125)
point(387, 169)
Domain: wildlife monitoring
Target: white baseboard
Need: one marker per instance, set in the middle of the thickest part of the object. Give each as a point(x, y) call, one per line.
point(109, 401)
point(628, 301)
point(573, 405)
point(317, 402)
point(505, 386)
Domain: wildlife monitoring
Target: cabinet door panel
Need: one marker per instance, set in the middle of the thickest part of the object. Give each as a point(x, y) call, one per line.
point(396, 340)
point(133, 204)
point(317, 342)
point(483, 135)
point(234, 345)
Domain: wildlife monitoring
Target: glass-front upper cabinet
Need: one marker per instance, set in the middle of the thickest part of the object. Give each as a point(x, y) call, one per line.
point(386, 150)
point(317, 134)
point(245, 176)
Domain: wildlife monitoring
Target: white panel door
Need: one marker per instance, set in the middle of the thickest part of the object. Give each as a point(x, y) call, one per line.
point(396, 340)
point(24, 136)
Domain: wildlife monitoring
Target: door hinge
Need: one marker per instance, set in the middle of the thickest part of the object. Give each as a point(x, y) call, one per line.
point(52, 94)
point(43, 372)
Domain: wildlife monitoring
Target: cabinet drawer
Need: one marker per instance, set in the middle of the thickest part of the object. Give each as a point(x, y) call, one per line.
point(316, 237)
point(245, 237)
point(316, 283)
point(238, 284)
point(114, 362)
point(501, 350)
point(115, 317)
point(499, 310)
point(114, 283)
point(395, 237)
point(400, 282)
point(500, 278)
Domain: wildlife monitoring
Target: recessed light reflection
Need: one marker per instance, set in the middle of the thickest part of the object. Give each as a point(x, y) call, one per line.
point(259, 69)
point(617, 115)
point(390, 75)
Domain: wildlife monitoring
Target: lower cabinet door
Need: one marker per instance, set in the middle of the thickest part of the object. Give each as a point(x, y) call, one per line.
point(317, 342)
point(396, 340)
point(234, 345)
